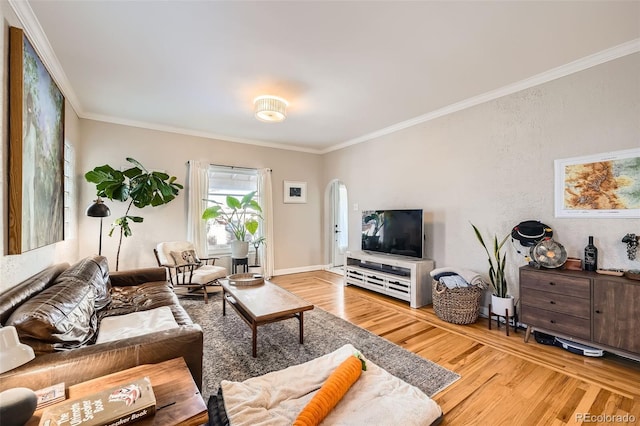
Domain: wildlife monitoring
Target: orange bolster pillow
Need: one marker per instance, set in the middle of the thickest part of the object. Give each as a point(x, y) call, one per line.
point(330, 393)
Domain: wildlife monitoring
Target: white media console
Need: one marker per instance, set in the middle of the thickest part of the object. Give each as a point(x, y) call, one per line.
point(395, 276)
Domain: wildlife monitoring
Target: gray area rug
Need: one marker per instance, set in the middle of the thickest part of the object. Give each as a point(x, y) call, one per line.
point(227, 347)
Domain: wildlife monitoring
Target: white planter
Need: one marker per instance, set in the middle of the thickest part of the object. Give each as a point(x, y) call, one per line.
point(499, 305)
point(255, 269)
point(239, 249)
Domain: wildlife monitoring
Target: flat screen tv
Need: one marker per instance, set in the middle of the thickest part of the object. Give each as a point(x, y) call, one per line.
point(398, 232)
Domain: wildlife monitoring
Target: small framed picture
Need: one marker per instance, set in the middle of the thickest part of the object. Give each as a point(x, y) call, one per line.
point(295, 192)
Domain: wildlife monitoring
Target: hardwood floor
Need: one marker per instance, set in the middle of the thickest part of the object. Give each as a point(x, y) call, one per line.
point(504, 381)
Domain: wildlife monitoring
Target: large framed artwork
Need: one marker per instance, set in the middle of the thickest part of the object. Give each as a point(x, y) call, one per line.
point(602, 185)
point(36, 150)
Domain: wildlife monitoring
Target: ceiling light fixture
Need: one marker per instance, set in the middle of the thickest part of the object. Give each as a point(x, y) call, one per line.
point(270, 109)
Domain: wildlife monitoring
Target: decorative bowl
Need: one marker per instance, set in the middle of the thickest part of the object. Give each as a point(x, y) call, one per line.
point(245, 279)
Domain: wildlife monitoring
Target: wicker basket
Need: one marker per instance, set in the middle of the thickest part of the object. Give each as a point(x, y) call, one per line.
point(456, 305)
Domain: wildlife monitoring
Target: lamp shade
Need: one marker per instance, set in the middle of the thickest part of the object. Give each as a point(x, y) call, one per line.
point(98, 209)
point(270, 109)
point(13, 353)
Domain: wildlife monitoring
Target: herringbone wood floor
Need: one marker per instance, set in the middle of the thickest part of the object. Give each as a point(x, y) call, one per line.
point(503, 380)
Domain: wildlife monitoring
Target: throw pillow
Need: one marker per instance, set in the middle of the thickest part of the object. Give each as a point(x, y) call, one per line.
point(184, 257)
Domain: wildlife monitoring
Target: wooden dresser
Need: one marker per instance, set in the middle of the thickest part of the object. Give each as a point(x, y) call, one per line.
point(601, 311)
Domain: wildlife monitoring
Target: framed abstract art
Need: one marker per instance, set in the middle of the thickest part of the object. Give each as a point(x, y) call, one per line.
point(36, 150)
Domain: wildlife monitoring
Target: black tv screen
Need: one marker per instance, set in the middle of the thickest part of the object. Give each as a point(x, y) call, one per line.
point(396, 232)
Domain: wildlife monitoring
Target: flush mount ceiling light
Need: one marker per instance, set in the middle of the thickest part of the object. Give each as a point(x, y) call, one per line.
point(270, 109)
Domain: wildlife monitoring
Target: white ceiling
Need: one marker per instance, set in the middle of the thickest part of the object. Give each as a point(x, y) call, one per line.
point(350, 70)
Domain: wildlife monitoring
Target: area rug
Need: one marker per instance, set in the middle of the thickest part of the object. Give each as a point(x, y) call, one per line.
point(227, 347)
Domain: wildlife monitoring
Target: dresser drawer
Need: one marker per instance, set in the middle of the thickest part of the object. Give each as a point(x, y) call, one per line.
point(556, 302)
point(556, 321)
point(555, 283)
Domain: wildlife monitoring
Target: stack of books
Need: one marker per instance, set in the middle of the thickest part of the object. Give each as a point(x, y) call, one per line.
point(50, 395)
point(123, 404)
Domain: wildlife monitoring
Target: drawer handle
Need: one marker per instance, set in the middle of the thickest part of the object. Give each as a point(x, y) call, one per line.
point(552, 283)
point(552, 302)
point(598, 311)
point(552, 321)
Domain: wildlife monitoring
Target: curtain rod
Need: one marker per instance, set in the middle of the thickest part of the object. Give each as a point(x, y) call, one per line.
point(236, 167)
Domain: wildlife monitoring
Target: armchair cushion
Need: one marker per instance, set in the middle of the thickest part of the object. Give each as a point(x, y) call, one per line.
point(164, 250)
point(184, 257)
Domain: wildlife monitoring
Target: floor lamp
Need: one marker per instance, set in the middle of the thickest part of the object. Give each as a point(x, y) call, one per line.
point(99, 209)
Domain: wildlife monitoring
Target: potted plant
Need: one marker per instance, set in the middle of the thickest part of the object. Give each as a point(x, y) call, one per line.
point(501, 301)
point(241, 218)
point(137, 185)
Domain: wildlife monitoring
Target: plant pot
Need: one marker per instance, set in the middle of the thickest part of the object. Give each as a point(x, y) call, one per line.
point(499, 305)
point(239, 249)
point(255, 269)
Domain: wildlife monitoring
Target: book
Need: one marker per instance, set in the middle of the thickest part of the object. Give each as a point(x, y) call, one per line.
point(115, 406)
point(50, 395)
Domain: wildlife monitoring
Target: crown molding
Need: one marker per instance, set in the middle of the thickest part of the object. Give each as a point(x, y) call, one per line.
point(628, 48)
point(31, 26)
point(41, 44)
point(196, 133)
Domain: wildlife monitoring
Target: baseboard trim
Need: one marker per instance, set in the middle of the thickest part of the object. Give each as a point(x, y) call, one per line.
point(289, 271)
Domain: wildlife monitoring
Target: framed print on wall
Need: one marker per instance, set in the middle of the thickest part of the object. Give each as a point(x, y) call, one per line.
point(295, 192)
point(602, 185)
point(36, 150)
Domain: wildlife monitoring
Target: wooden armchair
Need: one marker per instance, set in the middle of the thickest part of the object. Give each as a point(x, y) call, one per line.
point(185, 269)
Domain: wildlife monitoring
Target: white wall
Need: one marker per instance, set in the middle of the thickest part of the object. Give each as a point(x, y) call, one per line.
point(297, 227)
point(16, 268)
point(492, 165)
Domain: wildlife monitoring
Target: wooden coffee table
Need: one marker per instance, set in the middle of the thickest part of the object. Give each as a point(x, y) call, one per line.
point(178, 400)
point(262, 304)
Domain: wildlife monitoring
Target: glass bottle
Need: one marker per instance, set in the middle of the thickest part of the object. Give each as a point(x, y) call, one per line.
point(590, 256)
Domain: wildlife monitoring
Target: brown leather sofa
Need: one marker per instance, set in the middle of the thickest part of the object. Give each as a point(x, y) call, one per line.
point(58, 312)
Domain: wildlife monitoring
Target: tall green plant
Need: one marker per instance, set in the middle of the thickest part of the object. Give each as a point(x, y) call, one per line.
point(497, 262)
point(137, 185)
point(240, 215)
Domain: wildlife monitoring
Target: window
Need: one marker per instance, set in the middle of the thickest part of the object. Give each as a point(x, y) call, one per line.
point(69, 190)
point(225, 181)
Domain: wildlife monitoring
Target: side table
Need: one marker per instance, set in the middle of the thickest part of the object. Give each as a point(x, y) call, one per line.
point(244, 262)
point(178, 400)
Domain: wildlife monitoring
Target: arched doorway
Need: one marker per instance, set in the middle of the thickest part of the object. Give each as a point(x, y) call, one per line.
point(338, 229)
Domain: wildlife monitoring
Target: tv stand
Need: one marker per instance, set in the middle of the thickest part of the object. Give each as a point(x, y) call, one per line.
point(397, 276)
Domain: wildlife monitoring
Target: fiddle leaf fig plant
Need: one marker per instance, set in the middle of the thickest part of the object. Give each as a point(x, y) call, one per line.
point(497, 262)
point(240, 215)
point(137, 185)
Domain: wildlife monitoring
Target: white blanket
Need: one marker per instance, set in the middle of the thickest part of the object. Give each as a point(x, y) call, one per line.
point(376, 398)
point(136, 324)
point(469, 276)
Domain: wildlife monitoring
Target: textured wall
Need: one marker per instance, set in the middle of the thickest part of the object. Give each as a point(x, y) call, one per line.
point(492, 165)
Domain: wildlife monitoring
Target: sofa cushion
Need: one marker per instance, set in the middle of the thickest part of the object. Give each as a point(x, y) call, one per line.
point(60, 317)
point(93, 271)
point(15, 296)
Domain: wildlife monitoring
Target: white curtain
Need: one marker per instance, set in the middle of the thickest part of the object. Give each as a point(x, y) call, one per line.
point(197, 193)
point(266, 200)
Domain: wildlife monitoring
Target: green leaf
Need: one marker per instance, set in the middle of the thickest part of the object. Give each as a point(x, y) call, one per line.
point(247, 198)
point(255, 206)
point(252, 226)
point(233, 203)
point(133, 172)
point(211, 212)
point(136, 163)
